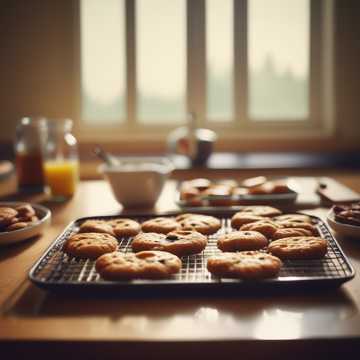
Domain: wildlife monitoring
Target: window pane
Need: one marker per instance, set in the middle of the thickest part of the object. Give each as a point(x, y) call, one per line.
point(161, 60)
point(219, 52)
point(103, 81)
point(278, 50)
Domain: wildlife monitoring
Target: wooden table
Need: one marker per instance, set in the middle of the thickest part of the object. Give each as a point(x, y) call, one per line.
point(256, 325)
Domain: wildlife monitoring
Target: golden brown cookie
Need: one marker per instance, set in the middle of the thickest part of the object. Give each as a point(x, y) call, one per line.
point(7, 214)
point(96, 226)
point(191, 195)
point(161, 225)
point(125, 227)
point(290, 232)
point(204, 224)
point(267, 211)
point(17, 226)
point(241, 218)
point(200, 183)
point(298, 225)
point(265, 227)
point(25, 210)
point(244, 265)
point(242, 240)
point(179, 242)
point(142, 265)
point(90, 245)
point(299, 247)
point(219, 195)
point(294, 218)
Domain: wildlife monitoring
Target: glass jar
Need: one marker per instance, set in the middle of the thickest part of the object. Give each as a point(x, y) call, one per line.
point(30, 138)
point(61, 163)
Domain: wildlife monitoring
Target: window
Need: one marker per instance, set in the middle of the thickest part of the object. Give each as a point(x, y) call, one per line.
point(241, 66)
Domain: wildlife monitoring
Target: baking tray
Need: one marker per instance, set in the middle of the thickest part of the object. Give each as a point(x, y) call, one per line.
point(57, 271)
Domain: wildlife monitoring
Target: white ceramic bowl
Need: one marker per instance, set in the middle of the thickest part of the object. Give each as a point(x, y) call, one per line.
point(11, 237)
point(138, 181)
point(345, 230)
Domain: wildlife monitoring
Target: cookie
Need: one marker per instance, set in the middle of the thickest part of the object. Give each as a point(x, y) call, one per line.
point(6, 216)
point(17, 226)
point(244, 265)
point(179, 242)
point(96, 226)
point(241, 218)
point(142, 265)
point(298, 225)
point(265, 227)
point(267, 211)
point(25, 210)
point(161, 225)
point(125, 227)
point(242, 240)
point(192, 196)
point(200, 183)
point(90, 245)
point(218, 195)
point(204, 224)
point(294, 218)
point(299, 247)
point(290, 232)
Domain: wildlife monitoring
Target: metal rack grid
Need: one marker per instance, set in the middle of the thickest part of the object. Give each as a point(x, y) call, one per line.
point(57, 270)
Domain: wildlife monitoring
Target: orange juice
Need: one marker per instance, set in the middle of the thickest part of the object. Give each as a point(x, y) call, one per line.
point(62, 177)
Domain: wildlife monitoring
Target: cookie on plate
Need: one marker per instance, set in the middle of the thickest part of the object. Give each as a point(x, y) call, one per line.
point(161, 225)
point(241, 218)
point(90, 245)
point(299, 247)
point(125, 227)
point(294, 218)
point(179, 242)
point(96, 226)
point(7, 214)
point(142, 265)
point(204, 224)
point(244, 265)
point(242, 240)
point(265, 227)
point(290, 232)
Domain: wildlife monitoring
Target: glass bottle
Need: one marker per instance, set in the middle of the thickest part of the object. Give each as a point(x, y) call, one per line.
point(61, 163)
point(30, 138)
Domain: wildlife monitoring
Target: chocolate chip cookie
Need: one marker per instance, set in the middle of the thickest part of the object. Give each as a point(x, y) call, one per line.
point(241, 218)
point(179, 242)
point(161, 225)
point(244, 265)
point(265, 227)
point(204, 224)
point(125, 227)
point(242, 240)
point(90, 245)
point(96, 226)
point(142, 265)
point(299, 247)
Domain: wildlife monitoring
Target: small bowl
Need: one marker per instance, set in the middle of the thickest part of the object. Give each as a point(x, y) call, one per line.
point(347, 230)
point(12, 237)
point(138, 181)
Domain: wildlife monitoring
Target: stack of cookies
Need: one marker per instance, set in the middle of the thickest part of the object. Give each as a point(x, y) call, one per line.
point(16, 218)
point(262, 238)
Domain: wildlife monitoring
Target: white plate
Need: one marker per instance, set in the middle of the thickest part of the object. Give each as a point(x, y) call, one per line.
point(10, 237)
point(343, 229)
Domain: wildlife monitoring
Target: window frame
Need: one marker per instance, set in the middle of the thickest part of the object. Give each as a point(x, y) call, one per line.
point(320, 122)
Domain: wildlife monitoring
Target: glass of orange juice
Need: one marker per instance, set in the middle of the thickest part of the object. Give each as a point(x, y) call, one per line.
point(61, 165)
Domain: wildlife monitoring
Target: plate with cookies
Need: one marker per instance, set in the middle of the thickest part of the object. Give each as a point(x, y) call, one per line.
point(255, 247)
point(208, 195)
point(20, 221)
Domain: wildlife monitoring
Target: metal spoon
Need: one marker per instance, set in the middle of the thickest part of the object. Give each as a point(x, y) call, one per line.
point(105, 157)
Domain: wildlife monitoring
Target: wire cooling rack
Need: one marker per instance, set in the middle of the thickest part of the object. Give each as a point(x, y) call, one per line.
point(55, 270)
